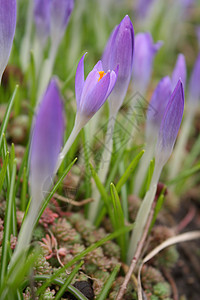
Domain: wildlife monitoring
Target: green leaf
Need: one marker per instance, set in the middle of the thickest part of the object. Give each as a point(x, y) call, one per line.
point(118, 220)
point(24, 191)
point(68, 281)
point(129, 170)
point(83, 253)
point(8, 224)
point(3, 171)
point(7, 115)
point(108, 284)
point(158, 207)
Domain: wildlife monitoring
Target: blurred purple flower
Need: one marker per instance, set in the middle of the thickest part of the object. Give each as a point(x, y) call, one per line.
point(7, 30)
point(170, 124)
point(46, 141)
point(157, 108)
point(119, 51)
point(60, 14)
point(194, 86)
point(198, 34)
point(93, 92)
point(145, 51)
point(180, 71)
point(42, 19)
point(142, 7)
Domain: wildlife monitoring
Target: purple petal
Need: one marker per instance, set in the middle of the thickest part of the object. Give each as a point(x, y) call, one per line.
point(79, 80)
point(107, 57)
point(60, 14)
point(157, 107)
point(194, 86)
point(42, 18)
point(7, 31)
point(142, 7)
point(46, 141)
point(180, 71)
point(98, 66)
point(95, 97)
point(144, 54)
point(90, 83)
point(170, 123)
point(113, 79)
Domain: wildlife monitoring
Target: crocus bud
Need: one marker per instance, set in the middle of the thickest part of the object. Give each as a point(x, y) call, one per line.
point(156, 108)
point(170, 125)
point(145, 51)
point(7, 31)
point(194, 86)
point(119, 51)
point(46, 141)
point(60, 13)
point(180, 71)
point(42, 19)
point(93, 92)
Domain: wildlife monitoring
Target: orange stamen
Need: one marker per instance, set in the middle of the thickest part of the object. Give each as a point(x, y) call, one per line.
point(101, 73)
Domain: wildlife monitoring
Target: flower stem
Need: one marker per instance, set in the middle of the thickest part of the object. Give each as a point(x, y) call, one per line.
point(143, 213)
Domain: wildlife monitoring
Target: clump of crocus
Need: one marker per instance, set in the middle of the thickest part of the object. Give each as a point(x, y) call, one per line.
point(90, 96)
point(60, 11)
point(7, 30)
point(155, 113)
point(46, 142)
point(166, 138)
point(145, 51)
point(192, 107)
point(118, 51)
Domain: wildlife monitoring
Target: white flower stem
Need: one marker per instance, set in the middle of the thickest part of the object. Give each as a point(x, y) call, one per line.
point(25, 44)
point(103, 168)
point(38, 49)
point(79, 123)
point(179, 151)
point(143, 167)
point(143, 213)
point(46, 71)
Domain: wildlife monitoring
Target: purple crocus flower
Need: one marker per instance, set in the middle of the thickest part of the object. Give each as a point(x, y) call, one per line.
point(46, 141)
point(194, 86)
point(42, 19)
point(145, 51)
point(119, 51)
point(198, 34)
point(60, 14)
point(7, 31)
point(180, 71)
point(157, 107)
point(170, 125)
point(93, 92)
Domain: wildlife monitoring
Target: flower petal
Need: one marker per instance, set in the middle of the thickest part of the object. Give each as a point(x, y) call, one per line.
point(170, 124)
point(180, 71)
point(95, 98)
point(194, 86)
point(46, 141)
point(42, 18)
point(7, 31)
point(79, 80)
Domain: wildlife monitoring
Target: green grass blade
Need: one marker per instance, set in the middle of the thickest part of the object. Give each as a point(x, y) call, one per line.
point(109, 282)
point(3, 171)
point(68, 281)
point(52, 192)
point(129, 170)
point(147, 180)
point(83, 253)
point(8, 225)
point(103, 193)
point(23, 164)
point(7, 115)
point(158, 207)
point(119, 220)
point(185, 175)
